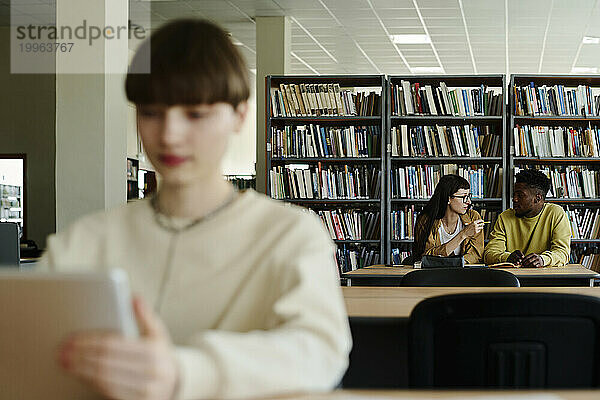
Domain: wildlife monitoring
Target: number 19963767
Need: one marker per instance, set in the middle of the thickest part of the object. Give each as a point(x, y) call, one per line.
point(46, 47)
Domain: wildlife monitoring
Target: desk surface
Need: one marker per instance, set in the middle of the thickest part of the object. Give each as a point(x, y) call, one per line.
point(455, 395)
point(399, 301)
point(568, 271)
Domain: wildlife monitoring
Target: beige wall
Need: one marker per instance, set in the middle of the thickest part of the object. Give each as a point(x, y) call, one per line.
point(27, 115)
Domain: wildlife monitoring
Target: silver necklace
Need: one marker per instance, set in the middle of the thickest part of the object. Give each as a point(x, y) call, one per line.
point(166, 223)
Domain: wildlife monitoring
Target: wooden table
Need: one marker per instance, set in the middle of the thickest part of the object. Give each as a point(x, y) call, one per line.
point(398, 302)
point(455, 395)
point(570, 275)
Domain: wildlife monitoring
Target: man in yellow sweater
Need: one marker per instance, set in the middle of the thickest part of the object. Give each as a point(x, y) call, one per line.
point(533, 233)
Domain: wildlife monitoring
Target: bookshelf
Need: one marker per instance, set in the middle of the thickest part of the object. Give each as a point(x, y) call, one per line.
point(313, 137)
point(545, 138)
point(13, 191)
point(133, 166)
point(452, 120)
point(141, 182)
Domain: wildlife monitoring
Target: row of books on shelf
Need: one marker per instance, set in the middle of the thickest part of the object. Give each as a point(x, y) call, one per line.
point(445, 141)
point(589, 261)
point(132, 170)
point(10, 191)
point(350, 258)
point(585, 222)
point(545, 141)
point(411, 99)
point(587, 254)
point(320, 141)
point(331, 182)
point(419, 182)
point(242, 182)
point(535, 100)
point(572, 182)
point(351, 224)
point(320, 99)
point(403, 221)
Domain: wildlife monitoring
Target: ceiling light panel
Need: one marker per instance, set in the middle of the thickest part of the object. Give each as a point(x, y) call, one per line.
point(590, 40)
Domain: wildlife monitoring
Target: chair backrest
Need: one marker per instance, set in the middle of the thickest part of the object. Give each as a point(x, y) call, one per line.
point(459, 277)
point(9, 244)
point(511, 340)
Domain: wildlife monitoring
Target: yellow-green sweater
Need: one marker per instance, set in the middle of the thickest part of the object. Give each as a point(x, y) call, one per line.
point(551, 240)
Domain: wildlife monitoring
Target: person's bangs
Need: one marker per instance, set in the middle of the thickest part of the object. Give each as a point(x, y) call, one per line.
point(185, 87)
point(191, 62)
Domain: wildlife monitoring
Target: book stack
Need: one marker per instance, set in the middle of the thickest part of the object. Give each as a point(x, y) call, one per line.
point(315, 100)
point(544, 141)
point(331, 182)
point(349, 259)
point(445, 141)
point(585, 223)
point(573, 182)
point(534, 100)
point(418, 182)
point(351, 224)
point(418, 99)
point(320, 141)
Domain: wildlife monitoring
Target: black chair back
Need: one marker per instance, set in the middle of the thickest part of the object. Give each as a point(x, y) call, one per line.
point(9, 244)
point(505, 340)
point(459, 277)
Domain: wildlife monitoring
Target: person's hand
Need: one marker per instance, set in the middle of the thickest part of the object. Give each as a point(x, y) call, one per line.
point(516, 257)
point(472, 229)
point(532, 261)
point(141, 368)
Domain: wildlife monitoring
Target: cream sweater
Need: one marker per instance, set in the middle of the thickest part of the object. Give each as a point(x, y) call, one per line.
point(252, 299)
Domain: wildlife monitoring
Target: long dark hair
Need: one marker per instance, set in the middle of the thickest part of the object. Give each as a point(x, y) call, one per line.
point(435, 209)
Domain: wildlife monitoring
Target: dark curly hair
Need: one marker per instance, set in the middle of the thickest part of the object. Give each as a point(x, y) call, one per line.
point(534, 179)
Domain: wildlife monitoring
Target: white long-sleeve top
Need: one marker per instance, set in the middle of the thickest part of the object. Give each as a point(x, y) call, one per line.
point(251, 297)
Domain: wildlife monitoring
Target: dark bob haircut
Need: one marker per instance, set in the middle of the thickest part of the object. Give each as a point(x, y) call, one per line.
point(192, 62)
point(534, 179)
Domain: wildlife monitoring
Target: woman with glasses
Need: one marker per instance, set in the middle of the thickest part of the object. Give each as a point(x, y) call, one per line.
point(447, 226)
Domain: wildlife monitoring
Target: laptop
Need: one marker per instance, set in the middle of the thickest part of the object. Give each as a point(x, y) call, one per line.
point(38, 311)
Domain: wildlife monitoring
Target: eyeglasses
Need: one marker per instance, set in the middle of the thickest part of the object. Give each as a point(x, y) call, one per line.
point(465, 199)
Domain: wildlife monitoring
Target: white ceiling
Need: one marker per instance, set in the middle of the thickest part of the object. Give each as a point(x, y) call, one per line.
point(468, 36)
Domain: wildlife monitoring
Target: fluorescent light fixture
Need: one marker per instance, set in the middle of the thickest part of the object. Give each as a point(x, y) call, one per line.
point(421, 70)
point(410, 39)
point(584, 70)
point(590, 40)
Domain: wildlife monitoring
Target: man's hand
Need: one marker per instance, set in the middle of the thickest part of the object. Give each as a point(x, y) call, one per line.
point(532, 261)
point(516, 257)
point(121, 368)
